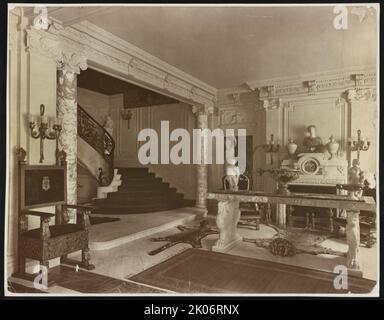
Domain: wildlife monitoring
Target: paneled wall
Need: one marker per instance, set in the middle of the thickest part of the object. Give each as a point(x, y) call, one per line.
point(30, 74)
point(337, 103)
point(96, 104)
point(180, 115)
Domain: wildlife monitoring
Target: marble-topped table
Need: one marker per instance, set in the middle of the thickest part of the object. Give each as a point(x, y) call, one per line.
point(229, 214)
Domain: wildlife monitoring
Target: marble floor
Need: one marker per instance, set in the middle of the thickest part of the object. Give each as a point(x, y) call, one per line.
point(131, 258)
point(135, 226)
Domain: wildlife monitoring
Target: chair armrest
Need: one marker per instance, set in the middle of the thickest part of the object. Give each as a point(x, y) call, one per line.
point(45, 217)
point(40, 214)
point(79, 207)
point(82, 214)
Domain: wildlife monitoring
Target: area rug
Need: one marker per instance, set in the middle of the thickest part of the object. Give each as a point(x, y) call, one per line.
point(99, 220)
point(201, 271)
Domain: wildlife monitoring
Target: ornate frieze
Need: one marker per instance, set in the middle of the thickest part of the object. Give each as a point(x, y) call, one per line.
point(318, 83)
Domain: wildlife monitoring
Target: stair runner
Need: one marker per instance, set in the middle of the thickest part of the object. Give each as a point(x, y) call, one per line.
point(140, 192)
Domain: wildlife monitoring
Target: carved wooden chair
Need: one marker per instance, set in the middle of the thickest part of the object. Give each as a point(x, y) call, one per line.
point(40, 187)
point(249, 210)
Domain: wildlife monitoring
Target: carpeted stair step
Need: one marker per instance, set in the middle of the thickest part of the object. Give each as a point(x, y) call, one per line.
point(141, 180)
point(123, 194)
point(140, 192)
point(145, 186)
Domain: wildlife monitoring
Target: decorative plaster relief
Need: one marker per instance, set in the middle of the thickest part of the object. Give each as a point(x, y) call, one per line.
point(270, 104)
point(230, 117)
point(66, 57)
point(362, 94)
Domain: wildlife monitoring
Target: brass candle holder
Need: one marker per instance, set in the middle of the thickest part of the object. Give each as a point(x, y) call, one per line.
point(42, 129)
point(359, 145)
point(269, 147)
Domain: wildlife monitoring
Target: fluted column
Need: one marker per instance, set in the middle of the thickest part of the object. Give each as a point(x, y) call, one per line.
point(202, 114)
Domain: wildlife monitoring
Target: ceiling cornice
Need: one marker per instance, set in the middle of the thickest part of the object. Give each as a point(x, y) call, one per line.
point(106, 37)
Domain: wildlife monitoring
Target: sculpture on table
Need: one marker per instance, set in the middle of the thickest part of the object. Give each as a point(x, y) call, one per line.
point(312, 143)
point(355, 174)
point(232, 176)
point(21, 155)
point(108, 125)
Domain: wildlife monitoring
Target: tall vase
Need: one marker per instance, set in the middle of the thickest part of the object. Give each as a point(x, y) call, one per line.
point(332, 147)
point(291, 147)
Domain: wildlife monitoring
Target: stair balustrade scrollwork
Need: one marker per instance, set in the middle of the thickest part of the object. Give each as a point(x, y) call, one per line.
point(98, 138)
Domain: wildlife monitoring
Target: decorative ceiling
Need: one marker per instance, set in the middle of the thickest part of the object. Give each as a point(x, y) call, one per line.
point(228, 46)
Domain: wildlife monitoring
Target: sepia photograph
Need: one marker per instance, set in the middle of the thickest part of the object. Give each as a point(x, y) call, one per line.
point(167, 150)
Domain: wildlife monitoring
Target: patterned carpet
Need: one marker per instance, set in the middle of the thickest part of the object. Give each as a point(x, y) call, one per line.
point(201, 271)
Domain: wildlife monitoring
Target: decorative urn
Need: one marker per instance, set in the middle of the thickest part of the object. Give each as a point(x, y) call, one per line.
point(291, 147)
point(283, 177)
point(332, 147)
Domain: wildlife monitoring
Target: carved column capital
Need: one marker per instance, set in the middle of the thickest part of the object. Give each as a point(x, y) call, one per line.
point(361, 94)
point(206, 109)
point(270, 104)
point(67, 57)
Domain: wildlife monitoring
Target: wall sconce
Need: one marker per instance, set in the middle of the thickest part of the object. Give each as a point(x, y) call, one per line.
point(270, 147)
point(42, 129)
point(359, 145)
point(126, 114)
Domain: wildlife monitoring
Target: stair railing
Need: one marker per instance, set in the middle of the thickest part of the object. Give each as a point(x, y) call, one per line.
point(99, 139)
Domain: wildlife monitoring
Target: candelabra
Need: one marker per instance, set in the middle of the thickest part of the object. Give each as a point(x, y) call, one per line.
point(270, 147)
point(359, 145)
point(43, 129)
point(126, 114)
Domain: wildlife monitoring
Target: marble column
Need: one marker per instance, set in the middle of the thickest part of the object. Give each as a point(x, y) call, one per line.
point(66, 108)
point(202, 114)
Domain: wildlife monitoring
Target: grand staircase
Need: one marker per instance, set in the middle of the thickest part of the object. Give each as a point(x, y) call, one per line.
point(140, 192)
point(120, 190)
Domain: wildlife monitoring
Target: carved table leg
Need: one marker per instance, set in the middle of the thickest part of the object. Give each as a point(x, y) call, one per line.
point(281, 214)
point(228, 216)
point(353, 240)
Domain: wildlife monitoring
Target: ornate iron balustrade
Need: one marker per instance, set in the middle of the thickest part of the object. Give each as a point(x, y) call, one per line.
point(97, 137)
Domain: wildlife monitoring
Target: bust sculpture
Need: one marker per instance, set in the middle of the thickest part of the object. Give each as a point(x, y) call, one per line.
point(312, 143)
point(108, 125)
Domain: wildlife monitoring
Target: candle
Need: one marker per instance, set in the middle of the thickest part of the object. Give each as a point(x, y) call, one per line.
point(31, 118)
point(44, 119)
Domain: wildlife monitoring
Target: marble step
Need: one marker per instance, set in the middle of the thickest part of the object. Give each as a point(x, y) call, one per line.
point(145, 186)
point(140, 193)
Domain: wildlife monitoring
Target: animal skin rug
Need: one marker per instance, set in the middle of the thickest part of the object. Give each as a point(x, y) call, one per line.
point(288, 242)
